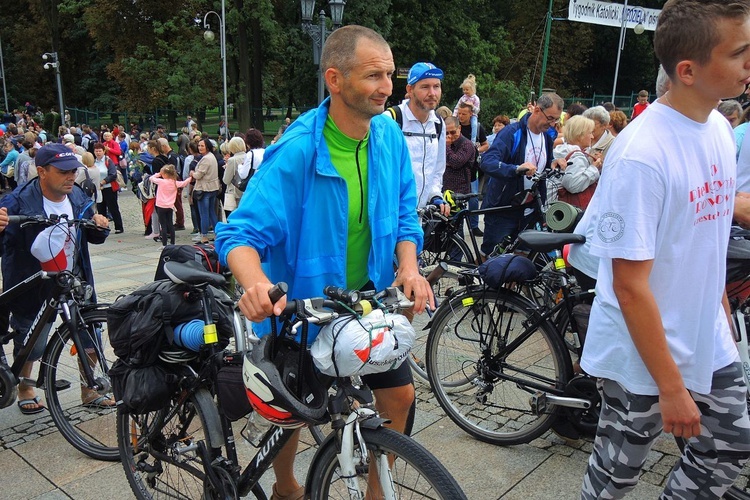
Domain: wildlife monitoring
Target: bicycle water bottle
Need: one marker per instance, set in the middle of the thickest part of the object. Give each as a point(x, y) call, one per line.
point(190, 335)
point(500, 247)
point(255, 428)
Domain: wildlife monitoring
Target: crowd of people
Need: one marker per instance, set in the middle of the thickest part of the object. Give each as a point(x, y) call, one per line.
point(338, 195)
point(210, 170)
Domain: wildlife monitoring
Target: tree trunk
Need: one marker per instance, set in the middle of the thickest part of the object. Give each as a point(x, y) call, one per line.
point(241, 71)
point(256, 82)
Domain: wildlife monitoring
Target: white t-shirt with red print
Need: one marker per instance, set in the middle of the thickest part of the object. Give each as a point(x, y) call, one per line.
point(666, 194)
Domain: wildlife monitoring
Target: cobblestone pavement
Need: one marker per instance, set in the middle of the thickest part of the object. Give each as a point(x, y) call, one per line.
point(43, 465)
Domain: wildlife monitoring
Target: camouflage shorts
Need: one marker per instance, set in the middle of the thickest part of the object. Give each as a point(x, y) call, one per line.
point(629, 424)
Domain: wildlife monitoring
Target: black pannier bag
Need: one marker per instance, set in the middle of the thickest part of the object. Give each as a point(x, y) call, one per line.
point(141, 325)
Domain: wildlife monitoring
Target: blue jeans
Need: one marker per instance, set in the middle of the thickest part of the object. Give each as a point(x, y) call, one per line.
point(207, 210)
point(497, 228)
point(474, 205)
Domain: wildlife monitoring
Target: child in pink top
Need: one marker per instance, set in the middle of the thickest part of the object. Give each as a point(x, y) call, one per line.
point(469, 87)
point(166, 194)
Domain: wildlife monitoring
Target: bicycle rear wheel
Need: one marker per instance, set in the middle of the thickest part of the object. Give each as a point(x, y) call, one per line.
point(458, 257)
point(159, 450)
point(415, 472)
point(485, 388)
point(89, 428)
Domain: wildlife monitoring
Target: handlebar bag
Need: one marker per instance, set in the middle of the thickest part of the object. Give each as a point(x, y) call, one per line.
point(353, 345)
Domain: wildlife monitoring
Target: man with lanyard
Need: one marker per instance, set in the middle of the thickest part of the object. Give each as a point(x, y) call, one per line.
point(660, 338)
point(424, 132)
point(335, 198)
point(518, 152)
point(27, 250)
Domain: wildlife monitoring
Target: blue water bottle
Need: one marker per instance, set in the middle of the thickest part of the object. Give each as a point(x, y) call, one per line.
point(189, 335)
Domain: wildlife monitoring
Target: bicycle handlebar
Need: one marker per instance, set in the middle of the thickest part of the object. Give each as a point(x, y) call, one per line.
point(321, 310)
point(51, 221)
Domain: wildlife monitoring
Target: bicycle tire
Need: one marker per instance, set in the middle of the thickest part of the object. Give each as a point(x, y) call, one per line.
point(416, 472)
point(155, 450)
point(89, 430)
point(474, 389)
point(449, 281)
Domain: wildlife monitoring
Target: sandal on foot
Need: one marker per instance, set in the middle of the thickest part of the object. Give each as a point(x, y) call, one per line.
point(28, 402)
point(297, 495)
point(100, 403)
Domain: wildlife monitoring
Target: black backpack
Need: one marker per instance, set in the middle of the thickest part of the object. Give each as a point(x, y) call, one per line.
point(88, 185)
point(398, 115)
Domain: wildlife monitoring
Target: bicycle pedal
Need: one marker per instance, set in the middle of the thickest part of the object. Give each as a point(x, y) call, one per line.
point(61, 385)
point(538, 403)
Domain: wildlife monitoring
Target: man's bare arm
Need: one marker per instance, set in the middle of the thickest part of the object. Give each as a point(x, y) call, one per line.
point(680, 414)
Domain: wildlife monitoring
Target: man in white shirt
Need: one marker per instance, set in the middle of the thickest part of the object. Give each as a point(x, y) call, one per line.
point(659, 337)
point(424, 132)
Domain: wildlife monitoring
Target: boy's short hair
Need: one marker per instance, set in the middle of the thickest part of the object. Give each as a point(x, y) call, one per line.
point(686, 29)
point(643, 93)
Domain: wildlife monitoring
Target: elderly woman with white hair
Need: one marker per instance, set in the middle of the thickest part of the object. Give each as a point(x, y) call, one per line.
point(236, 149)
point(602, 138)
point(583, 170)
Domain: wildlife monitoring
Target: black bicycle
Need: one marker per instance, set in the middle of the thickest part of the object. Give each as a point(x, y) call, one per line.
point(187, 449)
point(74, 367)
point(501, 366)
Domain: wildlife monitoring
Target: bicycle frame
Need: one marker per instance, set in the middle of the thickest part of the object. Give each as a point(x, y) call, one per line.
point(56, 303)
point(540, 315)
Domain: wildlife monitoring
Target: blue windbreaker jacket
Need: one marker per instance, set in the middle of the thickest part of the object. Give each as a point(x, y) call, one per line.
point(294, 212)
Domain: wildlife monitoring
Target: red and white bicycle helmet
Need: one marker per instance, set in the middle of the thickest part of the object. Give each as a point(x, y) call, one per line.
point(279, 391)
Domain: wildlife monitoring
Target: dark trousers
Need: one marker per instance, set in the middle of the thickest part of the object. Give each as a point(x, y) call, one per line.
point(110, 207)
point(166, 227)
point(179, 211)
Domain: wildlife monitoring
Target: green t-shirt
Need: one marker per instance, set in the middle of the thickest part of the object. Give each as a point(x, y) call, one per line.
point(349, 157)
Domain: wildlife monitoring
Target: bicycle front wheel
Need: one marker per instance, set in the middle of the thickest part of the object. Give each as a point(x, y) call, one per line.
point(159, 451)
point(414, 471)
point(487, 360)
point(90, 428)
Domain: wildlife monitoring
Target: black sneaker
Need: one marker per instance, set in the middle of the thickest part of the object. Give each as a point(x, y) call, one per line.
point(477, 232)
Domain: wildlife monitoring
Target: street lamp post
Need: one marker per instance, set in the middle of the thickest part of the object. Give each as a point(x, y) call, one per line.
point(638, 29)
point(209, 36)
point(320, 33)
point(56, 64)
point(2, 75)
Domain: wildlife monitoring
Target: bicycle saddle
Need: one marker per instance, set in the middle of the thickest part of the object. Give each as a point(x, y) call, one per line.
point(546, 242)
point(192, 273)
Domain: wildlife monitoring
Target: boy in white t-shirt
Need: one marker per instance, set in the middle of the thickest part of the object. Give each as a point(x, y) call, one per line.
point(659, 337)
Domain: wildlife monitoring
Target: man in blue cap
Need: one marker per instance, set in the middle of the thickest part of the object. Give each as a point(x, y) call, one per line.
point(52, 192)
point(424, 132)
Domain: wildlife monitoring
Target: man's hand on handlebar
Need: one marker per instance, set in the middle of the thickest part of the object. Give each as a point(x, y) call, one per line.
point(560, 164)
point(416, 288)
point(100, 221)
point(445, 209)
point(527, 169)
point(256, 304)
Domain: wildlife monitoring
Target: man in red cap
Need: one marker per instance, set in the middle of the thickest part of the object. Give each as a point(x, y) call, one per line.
point(52, 192)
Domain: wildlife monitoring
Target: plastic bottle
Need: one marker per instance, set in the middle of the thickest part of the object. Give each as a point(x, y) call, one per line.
point(255, 428)
point(189, 335)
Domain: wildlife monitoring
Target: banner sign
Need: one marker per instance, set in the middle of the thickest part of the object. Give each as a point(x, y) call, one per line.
point(610, 14)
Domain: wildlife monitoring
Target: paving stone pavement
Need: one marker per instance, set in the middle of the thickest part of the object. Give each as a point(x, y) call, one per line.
point(36, 462)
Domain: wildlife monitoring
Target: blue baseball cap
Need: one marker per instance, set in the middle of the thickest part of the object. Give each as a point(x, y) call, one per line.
point(422, 70)
point(57, 155)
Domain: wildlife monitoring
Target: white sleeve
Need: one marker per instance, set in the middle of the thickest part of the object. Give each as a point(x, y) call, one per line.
point(580, 175)
point(244, 169)
point(631, 198)
point(435, 183)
